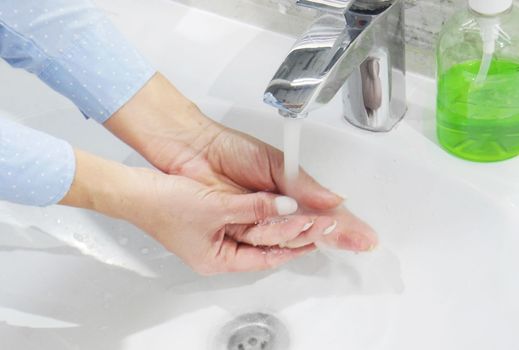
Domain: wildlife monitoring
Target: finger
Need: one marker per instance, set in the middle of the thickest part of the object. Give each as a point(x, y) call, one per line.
point(322, 225)
point(314, 195)
point(341, 229)
point(305, 190)
point(272, 231)
point(239, 257)
point(255, 207)
point(351, 233)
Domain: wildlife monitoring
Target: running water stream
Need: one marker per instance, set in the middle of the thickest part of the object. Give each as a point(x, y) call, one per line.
point(291, 145)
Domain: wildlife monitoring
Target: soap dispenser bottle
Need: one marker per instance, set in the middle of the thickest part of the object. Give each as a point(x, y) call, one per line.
point(478, 82)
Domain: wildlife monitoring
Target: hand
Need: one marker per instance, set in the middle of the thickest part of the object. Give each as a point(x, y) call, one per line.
point(212, 231)
point(178, 139)
point(237, 163)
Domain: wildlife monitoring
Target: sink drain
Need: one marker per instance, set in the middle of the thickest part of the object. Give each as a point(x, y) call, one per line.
point(255, 331)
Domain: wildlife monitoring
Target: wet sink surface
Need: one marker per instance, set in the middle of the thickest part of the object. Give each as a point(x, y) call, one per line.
point(442, 270)
point(444, 277)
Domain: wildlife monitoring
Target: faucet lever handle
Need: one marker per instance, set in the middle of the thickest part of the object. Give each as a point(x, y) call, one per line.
point(331, 6)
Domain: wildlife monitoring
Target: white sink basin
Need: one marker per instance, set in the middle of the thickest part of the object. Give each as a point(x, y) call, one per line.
point(445, 276)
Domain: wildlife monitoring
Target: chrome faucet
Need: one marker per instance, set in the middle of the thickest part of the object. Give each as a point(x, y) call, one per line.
point(356, 45)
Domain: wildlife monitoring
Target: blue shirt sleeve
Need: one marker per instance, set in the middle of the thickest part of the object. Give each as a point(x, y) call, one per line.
point(74, 49)
point(35, 168)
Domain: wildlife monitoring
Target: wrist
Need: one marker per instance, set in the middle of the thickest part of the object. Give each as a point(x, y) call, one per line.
point(103, 186)
point(159, 121)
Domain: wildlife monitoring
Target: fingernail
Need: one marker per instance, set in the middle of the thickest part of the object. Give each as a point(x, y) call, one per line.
point(307, 226)
point(285, 205)
point(330, 229)
point(337, 196)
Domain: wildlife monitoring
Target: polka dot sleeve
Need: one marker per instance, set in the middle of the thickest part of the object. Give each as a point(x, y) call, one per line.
point(73, 48)
point(35, 168)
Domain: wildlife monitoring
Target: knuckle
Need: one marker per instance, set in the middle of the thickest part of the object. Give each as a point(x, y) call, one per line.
point(261, 207)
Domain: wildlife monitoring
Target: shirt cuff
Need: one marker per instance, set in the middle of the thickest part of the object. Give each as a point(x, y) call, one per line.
point(99, 72)
point(35, 168)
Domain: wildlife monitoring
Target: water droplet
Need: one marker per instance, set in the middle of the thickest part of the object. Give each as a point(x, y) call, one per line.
point(145, 251)
point(58, 221)
point(277, 221)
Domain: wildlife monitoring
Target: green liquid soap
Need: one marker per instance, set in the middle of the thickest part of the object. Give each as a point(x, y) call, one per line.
point(479, 122)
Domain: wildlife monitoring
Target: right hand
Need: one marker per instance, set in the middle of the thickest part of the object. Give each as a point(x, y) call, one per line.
point(210, 230)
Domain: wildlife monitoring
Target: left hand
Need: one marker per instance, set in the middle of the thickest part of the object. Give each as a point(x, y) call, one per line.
point(187, 143)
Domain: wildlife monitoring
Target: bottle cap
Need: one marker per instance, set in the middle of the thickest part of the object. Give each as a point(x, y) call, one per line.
point(490, 7)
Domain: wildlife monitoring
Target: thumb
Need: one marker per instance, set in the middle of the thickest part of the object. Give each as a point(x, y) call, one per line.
point(255, 207)
point(305, 189)
point(313, 195)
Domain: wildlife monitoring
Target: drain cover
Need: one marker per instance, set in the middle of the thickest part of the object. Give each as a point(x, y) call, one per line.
point(255, 331)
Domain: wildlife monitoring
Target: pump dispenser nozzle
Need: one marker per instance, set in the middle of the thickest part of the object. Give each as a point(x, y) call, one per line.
point(489, 27)
point(490, 7)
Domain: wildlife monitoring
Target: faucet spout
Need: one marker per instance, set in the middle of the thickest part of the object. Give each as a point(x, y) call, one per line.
point(361, 51)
